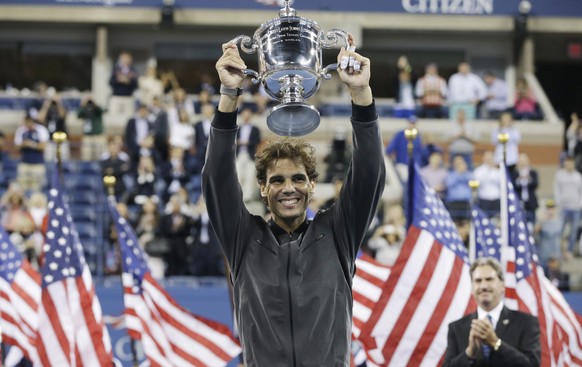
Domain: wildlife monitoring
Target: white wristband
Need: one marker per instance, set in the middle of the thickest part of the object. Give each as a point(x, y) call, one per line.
point(235, 92)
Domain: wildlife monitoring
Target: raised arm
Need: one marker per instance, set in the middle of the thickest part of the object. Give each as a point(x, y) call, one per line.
point(365, 179)
point(220, 185)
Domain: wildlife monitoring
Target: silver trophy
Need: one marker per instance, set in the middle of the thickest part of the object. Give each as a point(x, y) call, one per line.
point(290, 67)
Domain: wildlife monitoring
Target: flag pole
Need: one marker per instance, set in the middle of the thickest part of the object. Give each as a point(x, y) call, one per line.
point(503, 138)
point(474, 185)
point(410, 135)
point(109, 182)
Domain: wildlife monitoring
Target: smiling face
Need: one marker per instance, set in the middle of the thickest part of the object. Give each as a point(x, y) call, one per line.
point(288, 191)
point(488, 288)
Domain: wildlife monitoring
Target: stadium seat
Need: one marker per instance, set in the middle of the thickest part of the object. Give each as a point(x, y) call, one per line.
point(86, 231)
point(82, 198)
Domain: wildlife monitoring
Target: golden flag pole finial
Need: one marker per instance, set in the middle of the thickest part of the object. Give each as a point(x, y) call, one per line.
point(503, 138)
point(109, 182)
point(410, 135)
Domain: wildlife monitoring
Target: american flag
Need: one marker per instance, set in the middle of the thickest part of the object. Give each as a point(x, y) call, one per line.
point(170, 334)
point(71, 331)
point(487, 235)
point(19, 298)
point(429, 287)
point(366, 288)
point(527, 289)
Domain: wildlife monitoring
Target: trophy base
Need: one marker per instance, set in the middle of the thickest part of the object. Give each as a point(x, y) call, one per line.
point(293, 119)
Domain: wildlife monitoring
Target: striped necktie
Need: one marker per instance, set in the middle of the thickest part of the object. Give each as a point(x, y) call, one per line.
point(487, 348)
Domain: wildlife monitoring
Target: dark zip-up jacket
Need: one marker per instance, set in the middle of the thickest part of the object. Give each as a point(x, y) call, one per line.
point(293, 292)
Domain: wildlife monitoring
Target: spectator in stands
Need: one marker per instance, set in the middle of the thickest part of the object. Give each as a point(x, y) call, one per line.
point(123, 79)
point(548, 234)
point(202, 130)
point(147, 231)
point(458, 198)
point(116, 163)
point(94, 141)
point(13, 208)
point(568, 195)
point(37, 208)
point(207, 84)
point(206, 257)
point(31, 139)
point(404, 89)
point(461, 139)
point(137, 131)
point(466, 91)
point(149, 84)
point(123, 82)
point(53, 116)
point(525, 179)
point(338, 158)
point(169, 81)
point(474, 340)
point(512, 145)
point(526, 104)
point(2, 147)
point(161, 127)
point(181, 102)
point(496, 99)
point(176, 227)
point(145, 182)
point(182, 132)
point(554, 273)
point(248, 139)
point(574, 139)
point(435, 174)
point(432, 91)
point(397, 150)
point(386, 242)
point(489, 193)
point(174, 173)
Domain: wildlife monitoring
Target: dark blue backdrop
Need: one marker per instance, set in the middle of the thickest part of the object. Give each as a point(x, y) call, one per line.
point(546, 8)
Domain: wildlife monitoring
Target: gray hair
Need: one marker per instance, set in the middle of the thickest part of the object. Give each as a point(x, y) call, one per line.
point(487, 261)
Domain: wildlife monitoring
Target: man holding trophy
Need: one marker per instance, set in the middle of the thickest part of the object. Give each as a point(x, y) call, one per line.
point(292, 277)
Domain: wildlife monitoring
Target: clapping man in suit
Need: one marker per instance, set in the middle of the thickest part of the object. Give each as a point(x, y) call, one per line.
point(494, 335)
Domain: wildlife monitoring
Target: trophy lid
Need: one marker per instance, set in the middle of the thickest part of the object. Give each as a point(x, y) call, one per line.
point(287, 11)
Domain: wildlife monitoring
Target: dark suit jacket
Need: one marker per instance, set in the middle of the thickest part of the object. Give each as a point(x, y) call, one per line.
point(254, 141)
point(130, 137)
point(520, 342)
point(532, 203)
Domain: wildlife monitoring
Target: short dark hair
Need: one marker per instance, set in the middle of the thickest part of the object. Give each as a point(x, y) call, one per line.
point(487, 261)
point(295, 149)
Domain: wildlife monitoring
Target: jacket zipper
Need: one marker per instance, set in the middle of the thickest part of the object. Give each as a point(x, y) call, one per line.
point(291, 305)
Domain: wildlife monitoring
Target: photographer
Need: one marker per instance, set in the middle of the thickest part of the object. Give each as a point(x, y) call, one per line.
point(53, 115)
point(93, 138)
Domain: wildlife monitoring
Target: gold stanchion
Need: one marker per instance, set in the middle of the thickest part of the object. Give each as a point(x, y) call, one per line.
point(109, 182)
point(503, 138)
point(59, 138)
point(410, 135)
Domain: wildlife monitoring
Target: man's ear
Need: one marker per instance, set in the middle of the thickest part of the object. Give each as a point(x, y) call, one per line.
point(263, 189)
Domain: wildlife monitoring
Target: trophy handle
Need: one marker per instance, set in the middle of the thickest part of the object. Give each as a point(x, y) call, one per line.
point(247, 45)
point(331, 39)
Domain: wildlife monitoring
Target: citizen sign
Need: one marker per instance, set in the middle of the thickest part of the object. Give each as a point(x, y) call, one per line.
point(448, 6)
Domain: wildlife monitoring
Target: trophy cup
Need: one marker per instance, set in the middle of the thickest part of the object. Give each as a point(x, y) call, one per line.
point(290, 67)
